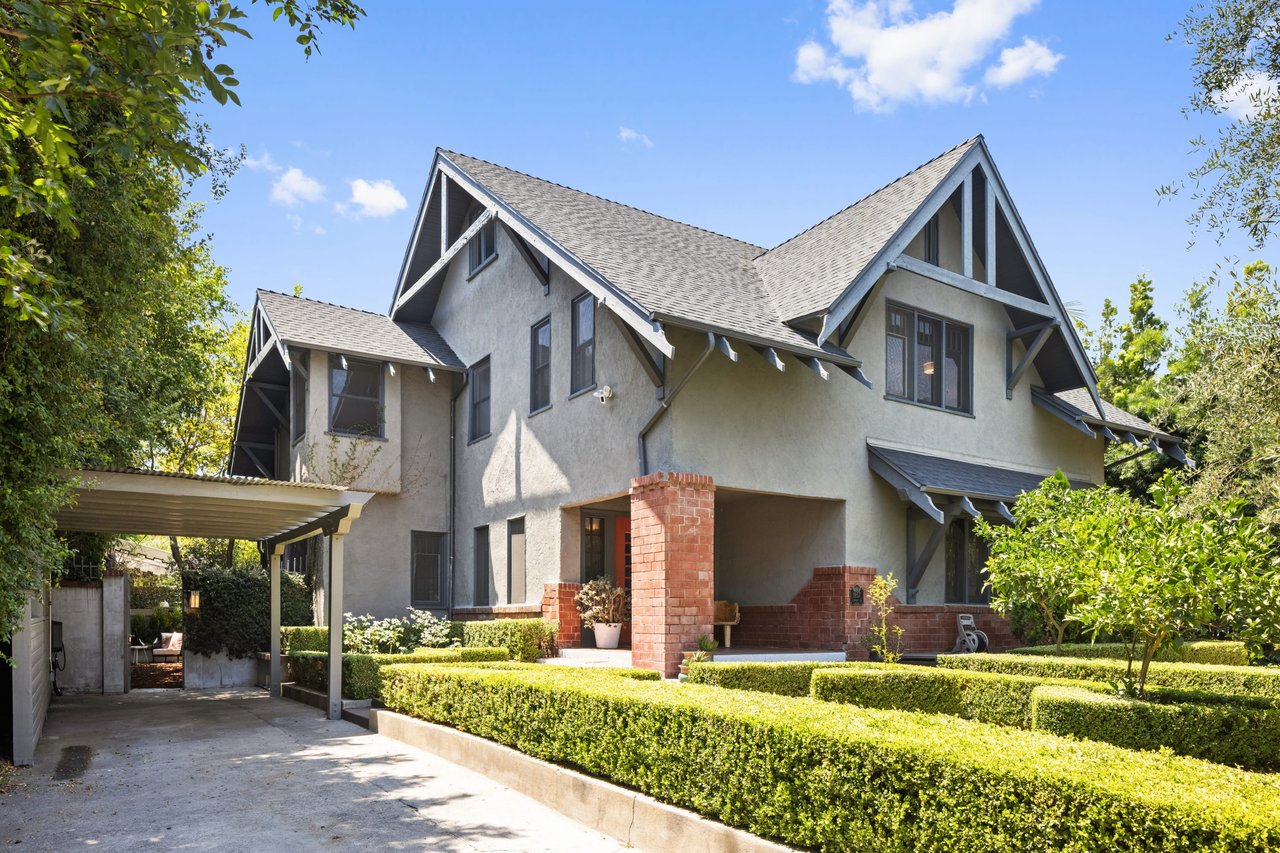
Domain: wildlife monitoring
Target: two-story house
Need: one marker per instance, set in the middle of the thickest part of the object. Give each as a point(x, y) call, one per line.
point(565, 387)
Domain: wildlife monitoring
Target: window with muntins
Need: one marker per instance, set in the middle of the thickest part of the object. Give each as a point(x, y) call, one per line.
point(483, 245)
point(928, 360)
point(355, 397)
point(298, 397)
point(540, 366)
point(966, 555)
point(479, 424)
point(583, 369)
point(427, 560)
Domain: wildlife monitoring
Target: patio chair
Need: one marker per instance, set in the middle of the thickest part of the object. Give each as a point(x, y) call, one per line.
point(170, 648)
point(726, 616)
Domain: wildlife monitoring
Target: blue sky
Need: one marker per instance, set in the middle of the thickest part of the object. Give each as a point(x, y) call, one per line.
point(701, 112)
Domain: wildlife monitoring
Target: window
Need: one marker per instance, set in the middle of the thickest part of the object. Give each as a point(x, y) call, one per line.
point(931, 253)
point(928, 360)
point(480, 399)
point(427, 581)
point(583, 370)
point(483, 572)
point(516, 592)
point(483, 245)
point(540, 366)
point(593, 547)
point(966, 561)
point(355, 396)
point(298, 396)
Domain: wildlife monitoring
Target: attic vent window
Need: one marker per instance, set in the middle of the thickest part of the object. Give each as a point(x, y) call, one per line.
point(483, 246)
point(928, 360)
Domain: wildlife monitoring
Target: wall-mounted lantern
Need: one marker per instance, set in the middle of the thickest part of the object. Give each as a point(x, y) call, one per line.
point(192, 603)
point(855, 594)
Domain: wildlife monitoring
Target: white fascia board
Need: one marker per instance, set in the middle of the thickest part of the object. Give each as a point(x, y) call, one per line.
point(627, 309)
point(417, 231)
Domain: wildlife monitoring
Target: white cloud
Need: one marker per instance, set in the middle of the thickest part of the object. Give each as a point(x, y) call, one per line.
point(263, 163)
point(1241, 101)
point(628, 135)
point(1018, 63)
point(372, 198)
point(318, 230)
point(886, 53)
point(295, 186)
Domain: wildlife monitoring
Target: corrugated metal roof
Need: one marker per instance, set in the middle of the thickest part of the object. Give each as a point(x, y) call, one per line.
point(932, 473)
point(350, 331)
point(211, 478)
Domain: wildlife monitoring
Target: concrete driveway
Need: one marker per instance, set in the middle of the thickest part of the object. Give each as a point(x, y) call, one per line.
point(238, 770)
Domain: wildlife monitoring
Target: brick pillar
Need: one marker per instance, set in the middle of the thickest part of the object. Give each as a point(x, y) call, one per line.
point(559, 606)
point(857, 617)
point(672, 567)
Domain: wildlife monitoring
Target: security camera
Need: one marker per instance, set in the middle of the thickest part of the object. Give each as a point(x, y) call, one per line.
point(604, 394)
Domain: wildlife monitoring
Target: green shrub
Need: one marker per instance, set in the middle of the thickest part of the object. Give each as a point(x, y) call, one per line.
point(1242, 680)
point(235, 609)
point(984, 696)
point(361, 676)
point(528, 639)
point(1228, 734)
point(395, 635)
point(147, 590)
point(834, 777)
point(788, 678)
point(304, 638)
point(1222, 652)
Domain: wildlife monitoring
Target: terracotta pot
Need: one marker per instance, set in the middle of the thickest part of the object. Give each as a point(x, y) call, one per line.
point(607, 634)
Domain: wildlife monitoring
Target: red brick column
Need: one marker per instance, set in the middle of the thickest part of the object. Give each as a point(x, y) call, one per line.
point(559, 606)
point(672, 567)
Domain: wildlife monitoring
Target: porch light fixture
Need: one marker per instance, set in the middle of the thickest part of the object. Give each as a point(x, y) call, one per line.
point(192, 604)
point(928, 368)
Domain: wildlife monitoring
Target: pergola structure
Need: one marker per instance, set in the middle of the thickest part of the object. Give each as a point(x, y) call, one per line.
point(271, 512)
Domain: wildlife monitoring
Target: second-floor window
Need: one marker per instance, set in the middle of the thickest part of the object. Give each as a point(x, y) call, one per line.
point(483, 245)
point(540, 366)
point(928, 360)
point(479, 427)
point(583, 369)
point(355, 396)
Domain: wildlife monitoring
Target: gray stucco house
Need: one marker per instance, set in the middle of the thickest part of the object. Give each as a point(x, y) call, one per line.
point(564, 386)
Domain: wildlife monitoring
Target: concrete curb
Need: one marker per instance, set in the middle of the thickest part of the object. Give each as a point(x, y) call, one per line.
point(632, 818)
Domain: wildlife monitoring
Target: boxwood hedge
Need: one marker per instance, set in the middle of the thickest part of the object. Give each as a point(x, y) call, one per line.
point(1251, 680)
point(789, 678)
point(836, 777)
point(527, 639)
point(1228, 734)
point(304, 638)
point(361, 674)
point(1223, 652)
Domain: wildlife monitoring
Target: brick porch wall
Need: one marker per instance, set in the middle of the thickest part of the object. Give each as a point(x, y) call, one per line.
point(672, 567)
point(559, 606)
point(930, 628)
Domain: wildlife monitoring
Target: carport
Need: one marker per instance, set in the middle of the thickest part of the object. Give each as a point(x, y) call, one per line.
point(271, 512)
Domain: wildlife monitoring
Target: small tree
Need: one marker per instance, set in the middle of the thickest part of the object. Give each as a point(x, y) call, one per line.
point(886, 639)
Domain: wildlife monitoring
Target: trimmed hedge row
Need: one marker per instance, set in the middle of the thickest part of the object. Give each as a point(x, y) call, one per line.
point(1221, 652)
point(1250, 680)
point(304, 638)
point(789, 678)
point(361, 674)
point(816, 774)
point(527, 639)
point(1244, 736)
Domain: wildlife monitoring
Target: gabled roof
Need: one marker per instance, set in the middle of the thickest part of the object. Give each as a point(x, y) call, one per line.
point(940, 475)
point(675, 272)
point(809, 272)
point(321, 325)
point(1079, 405)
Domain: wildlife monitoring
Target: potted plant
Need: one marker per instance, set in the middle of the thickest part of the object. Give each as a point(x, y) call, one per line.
point(604, 609)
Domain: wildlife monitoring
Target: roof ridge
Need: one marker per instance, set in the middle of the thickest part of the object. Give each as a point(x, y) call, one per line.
point(336, 305)
point(607, 200)
point(880, 189)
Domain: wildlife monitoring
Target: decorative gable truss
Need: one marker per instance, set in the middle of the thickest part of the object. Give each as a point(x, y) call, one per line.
point(267, 368)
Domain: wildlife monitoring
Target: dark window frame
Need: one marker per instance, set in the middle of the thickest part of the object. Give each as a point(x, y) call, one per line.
point(415, 551)
point(911, 391)
point(473, 401)
point(482, 575)
point(964, 583)
point(539, 398)
point(579, 384)
point(335, 363)
point(483, 246)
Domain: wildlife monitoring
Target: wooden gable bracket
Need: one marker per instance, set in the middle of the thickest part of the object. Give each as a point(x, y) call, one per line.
point(972, 285)
point(526, 252)
point(726, 348)
point(918, 561)
point(770, 355)
point(1015, 373)
point(271, 407)
point(907, 490)
point(445, 258)
point(654, 368)
point(248, 447)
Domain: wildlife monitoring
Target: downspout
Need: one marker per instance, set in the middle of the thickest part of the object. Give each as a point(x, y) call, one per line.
point(453, 490)
point(666, 402)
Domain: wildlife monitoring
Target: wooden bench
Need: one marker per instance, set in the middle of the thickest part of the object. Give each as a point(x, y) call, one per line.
point(726, 616)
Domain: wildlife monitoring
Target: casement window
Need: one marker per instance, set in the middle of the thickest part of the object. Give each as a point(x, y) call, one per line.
point(517, 589)
point(928, 360)
point(427, 569)
point(931, 241)
point(355, 396)
point(298, 396)
point(483, 245)
point(479, 423)
point(593, 547)
point(966, 555)
point(483, 570)
point(583, 369)
point(540, 366)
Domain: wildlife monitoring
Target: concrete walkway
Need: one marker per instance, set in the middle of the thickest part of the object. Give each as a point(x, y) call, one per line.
point(237, 770)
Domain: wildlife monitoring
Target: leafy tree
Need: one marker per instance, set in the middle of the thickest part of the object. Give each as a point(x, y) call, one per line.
point(1236, 64)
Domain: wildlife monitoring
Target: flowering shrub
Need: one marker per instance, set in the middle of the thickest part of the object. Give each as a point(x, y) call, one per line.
point(397, 635)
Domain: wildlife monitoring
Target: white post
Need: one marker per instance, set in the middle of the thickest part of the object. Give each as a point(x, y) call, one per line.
point(335, 626)
point(277, 561)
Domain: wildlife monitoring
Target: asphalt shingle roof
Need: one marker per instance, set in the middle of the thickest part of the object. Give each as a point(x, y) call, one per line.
point(808, 273)
point(1078, 402)
point(671, 269)
point(951, 476)
point(310, 323)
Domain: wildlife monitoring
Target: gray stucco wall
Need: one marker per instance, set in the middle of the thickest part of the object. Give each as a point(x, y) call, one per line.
point(766, 546)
